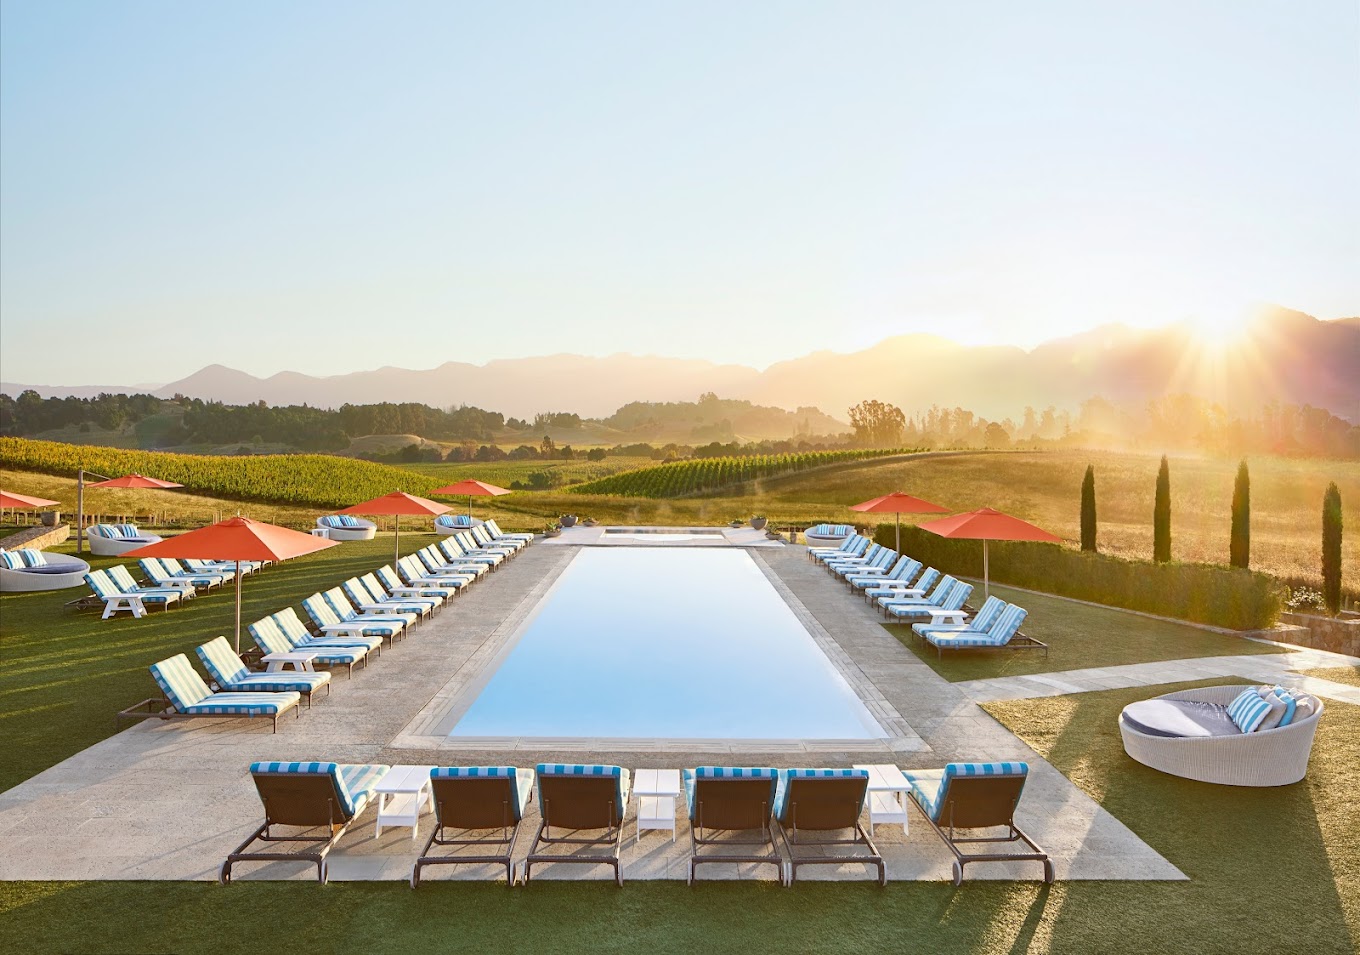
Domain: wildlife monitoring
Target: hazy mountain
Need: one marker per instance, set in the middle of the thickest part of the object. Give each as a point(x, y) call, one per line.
point(1282, 355)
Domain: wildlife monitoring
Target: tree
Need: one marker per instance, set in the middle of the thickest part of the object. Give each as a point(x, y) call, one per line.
point(1239, 544)
point(1161, 515)
point(1088, 509)
point(1331, 548)
point(548, 448)
point(877, 424)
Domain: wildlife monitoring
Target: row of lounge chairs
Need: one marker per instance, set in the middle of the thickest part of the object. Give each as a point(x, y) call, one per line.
point(935, 604)
point(351, 624)
point(812, 814)
point(168, 583)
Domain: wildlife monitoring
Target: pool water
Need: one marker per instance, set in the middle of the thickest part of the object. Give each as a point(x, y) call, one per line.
point(664, 643)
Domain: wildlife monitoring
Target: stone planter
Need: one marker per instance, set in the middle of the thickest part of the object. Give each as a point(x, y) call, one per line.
point(759, 523)
point(1337, 634)
point(568, 520)
point(50, 518)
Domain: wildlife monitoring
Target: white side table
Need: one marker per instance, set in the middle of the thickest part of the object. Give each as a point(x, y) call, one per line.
point(403, 795)
point(887, 795)
point(297, 659)
point(321, 532)
point(656, 791)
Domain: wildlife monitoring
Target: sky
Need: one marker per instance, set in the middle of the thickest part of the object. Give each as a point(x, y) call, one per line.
point(331, 187)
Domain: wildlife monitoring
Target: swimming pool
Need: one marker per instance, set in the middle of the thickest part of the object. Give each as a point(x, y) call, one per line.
point(662, 643)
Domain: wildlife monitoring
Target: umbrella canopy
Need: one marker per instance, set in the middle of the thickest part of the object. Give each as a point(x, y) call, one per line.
point(17, 501)
point(136, 480)
point(898, 504)
point(986, 524)
point(238, 539)
point(471, 489)
point(397, 503)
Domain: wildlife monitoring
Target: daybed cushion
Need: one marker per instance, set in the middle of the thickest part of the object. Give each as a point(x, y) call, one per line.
point(1179, 719)
point(521, 779)
point(622, 777)
point(354, 783)
point(928, 786)
point(689, 776)
point(781, 795)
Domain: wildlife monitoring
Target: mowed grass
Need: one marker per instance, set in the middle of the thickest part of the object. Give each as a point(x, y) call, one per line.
point(1079, 636)
point(1349, 675)
point(1270, 870)
point(66, 674)
point(1045, 487)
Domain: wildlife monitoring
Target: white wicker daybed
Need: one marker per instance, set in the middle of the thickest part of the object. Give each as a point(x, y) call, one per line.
point(1273, 757)
point(60, 572)
point(114, 540)
point(450, 524)
point(346, 527)
point(827, 535)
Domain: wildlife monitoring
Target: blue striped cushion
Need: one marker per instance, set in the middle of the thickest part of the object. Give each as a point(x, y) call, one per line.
point(33, 558)
point(1248, 709)
point(11, 560)
point(243, 704)
point(588, 769)
point(348, 520)
point(521, 782)
point(127, 531)
point(280, 681)
point(182, 686)
point(268, 637)
point(1290, 705)
point(101, 585)
point(781, 796)
point(360, 781)
point(930, 787)
point(221, 662)
point(354, 784)
point(100, 530)
point(688, 777)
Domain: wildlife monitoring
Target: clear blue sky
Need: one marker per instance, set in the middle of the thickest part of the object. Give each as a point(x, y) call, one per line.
point(334, 186)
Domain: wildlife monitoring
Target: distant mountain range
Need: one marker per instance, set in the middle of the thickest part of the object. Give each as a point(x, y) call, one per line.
point(1281, 355)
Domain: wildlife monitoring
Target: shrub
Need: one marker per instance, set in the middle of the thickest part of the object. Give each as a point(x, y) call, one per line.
point(1204, 593)
point(1331, 547)
point(1239, 544)
point(1161, 515)
point(1088, 509)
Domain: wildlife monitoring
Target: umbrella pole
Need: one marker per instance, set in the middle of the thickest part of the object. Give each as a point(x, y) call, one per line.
point(238, 608)
point(986, 575)
point(80, 511)
point(897, 516)
point(396, 539)
point(469, 508)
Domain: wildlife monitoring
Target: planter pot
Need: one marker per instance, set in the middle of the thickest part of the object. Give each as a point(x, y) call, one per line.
point(568, 520)
point(50, 518)
point(552, 533)
point(759, 523)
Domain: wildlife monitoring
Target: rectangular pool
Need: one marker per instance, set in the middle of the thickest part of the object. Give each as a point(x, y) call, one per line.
point(663, 643)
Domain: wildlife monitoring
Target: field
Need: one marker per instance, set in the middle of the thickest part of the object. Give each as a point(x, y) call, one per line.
point(503, 473)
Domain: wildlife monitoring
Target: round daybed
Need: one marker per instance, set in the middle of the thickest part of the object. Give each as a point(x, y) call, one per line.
point(827, 535)
point(449, 524)
point(114, 540)
point(60, 572)
point(1222, 754)
point(347, 527)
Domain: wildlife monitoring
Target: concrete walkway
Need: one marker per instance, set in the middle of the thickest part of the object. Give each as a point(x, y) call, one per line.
point(169, 801)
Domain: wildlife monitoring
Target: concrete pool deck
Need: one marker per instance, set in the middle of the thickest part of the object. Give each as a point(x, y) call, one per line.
point(169, 801)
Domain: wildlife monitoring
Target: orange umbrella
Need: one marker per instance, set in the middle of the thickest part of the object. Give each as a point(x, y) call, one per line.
point(127, 480)
point(397, 503)
point(986, 525)
point(238, 539)
point(471, 489)
point(898, 504)
point(17, 501)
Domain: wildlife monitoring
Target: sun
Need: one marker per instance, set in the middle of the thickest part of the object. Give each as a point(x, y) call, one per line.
point(1218, 329)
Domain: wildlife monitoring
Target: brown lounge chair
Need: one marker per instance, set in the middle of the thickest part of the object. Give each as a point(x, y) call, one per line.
point(580, 798)
point(187, 696)
point(731, 799)
point(975, 796)
point(824, 801)
point(306, 796)
point(476, 797)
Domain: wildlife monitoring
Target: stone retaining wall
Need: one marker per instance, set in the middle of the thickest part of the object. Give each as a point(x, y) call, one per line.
point(37, 537)
point(1337, 634)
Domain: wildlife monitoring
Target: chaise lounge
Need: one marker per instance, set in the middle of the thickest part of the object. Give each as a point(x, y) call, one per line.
point(471, 798)
point(824, 801)
point(580, 798)
point(187, 696)
point(731, 799)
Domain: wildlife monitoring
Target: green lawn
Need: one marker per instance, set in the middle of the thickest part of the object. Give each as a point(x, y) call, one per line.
point(66, 674)
point(1078, 636)
point(1349, 675)
point(1272, 870)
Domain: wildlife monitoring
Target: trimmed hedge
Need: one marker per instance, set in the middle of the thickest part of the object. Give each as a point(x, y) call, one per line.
point(1204, 593)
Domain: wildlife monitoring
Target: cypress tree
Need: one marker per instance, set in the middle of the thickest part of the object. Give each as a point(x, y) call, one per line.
point(1239, 544)
point(1161, 515)
point(1331, 548)
point(1088, 509)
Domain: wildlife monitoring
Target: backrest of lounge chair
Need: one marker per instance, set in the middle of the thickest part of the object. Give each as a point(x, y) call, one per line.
point(987, 614)
point(732, 797)
point(576, 796)
point(302, 794)
point(102, 585)
point(428, 560)
point(122, 578)
point(221, 662)
point(908, 572)
point(388, 577)
point(373, 586)
point(450, 549)
point(494, 528)
point(821, 798)
point(320, 611)
point(292, 626)
point(1007, 624)
point(941, 590)
point(180, 682)
point(268, 637)
point(357, 592)
point(898, 567)
point(958, 596)
point(928, 577)
point(480, 535)
point(475, 797)
point(172, 566)
point(153, 570)
point(339, 603)
point(975, 795)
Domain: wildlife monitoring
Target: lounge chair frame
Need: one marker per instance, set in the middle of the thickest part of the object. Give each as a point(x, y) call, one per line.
point(160, 708)
point(838, 805)
point(291, 799)
point(732, 804)
point(469, 803)
point(579, 804)
point(975, 802)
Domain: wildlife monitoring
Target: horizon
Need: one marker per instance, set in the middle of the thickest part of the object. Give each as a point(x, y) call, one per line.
point(616, 180)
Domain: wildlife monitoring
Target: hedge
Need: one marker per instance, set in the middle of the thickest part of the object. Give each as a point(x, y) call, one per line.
point(1219, 596)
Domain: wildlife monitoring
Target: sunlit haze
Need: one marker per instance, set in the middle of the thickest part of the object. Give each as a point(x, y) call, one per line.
point(328, 187)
